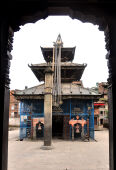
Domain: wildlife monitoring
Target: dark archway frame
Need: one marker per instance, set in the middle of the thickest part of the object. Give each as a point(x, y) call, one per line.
point(20, 12)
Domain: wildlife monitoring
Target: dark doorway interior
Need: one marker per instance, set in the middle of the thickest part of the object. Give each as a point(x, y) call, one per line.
point(39, 130)
point(95, 120)
point(57, 126)
point(101, 121)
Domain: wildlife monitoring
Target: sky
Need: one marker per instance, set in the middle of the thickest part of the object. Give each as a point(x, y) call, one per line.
point(89, 42)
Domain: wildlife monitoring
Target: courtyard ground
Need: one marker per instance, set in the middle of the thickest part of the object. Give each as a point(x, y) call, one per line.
point(66, 155)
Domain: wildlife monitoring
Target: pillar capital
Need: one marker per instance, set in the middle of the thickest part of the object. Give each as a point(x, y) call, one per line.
point(48, 70)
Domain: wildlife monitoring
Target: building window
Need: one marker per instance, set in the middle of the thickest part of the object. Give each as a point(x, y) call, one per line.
point(15, 114)
point(101, 121)
point(12, 114)
point(101, 112)
point(12, 107)
point(15, 106)
point(95, 120)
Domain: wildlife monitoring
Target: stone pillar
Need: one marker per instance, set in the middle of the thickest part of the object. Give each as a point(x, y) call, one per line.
point(34, 132)
point(73, 133)
point(5, 56)
point(110, 38)
point(82, 133)
point(98, 121)
point(48, 108)
point(88, 127)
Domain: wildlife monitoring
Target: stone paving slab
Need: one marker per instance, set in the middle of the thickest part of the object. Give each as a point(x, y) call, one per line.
point(66, 155)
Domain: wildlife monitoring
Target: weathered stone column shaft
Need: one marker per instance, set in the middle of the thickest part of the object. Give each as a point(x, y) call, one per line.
point(48, 108)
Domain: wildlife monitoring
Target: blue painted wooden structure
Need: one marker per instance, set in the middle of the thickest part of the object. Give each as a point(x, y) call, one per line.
point(34, 108)
point(29, 109)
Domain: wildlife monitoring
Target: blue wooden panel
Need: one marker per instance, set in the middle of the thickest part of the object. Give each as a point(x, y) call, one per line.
point(29, 109)
point(91, 122)
point(35, 109)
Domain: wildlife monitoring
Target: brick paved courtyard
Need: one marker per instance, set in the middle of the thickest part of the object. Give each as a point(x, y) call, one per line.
point(66, 155)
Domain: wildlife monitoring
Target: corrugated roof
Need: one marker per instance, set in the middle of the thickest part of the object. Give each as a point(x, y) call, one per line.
point(32, 91)
point(62, 64)
point(74, 89)
point(67, 89)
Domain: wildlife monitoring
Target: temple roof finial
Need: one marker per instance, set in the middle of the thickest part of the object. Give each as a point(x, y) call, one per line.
point(59, 40)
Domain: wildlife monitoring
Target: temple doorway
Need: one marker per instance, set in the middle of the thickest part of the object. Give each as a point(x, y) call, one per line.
point(57, 126)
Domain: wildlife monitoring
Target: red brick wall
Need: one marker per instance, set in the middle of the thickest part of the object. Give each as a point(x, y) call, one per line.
point(13, 106)
point(96, 110)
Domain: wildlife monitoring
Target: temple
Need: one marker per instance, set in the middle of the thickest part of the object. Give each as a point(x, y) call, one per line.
point(60, 107)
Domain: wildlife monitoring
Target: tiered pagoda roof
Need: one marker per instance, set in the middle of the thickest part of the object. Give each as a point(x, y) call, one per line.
point(71, 74)
point(69, 71)
point(67, 54)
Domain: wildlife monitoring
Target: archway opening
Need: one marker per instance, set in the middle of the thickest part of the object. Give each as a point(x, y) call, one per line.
point(73, 35)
